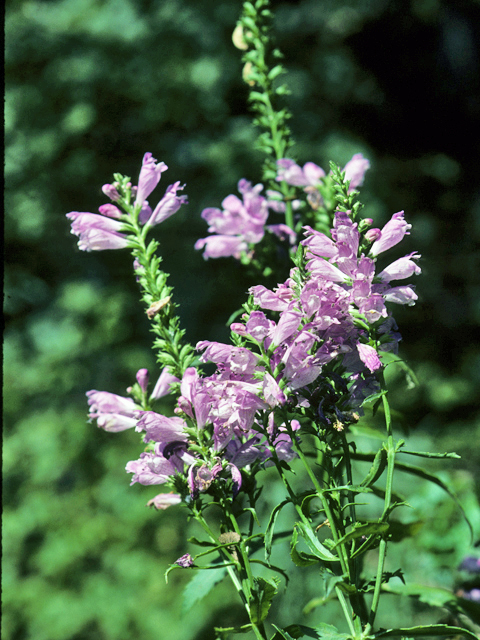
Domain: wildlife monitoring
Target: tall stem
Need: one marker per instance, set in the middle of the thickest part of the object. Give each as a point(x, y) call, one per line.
point(238, 583)
point(382, 549)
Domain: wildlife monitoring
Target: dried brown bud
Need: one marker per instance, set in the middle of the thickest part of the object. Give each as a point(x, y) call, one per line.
point(155, 307)
point(230, 537)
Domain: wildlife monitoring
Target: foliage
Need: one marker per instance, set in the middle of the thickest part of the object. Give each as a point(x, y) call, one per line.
point(91, 87)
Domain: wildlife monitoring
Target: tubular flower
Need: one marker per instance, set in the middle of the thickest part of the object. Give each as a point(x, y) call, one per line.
point(113, 413)
point(97, 232)
point(238, 224)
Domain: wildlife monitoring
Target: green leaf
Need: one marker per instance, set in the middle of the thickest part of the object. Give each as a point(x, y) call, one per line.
point(427, 454)
point(299, 558)
point(398, 530)
point(262, 596)
point(426, 630)
point(271, 526)
point(329, 632)
point(294, 631)
point(377, 468)
point(387, 357)
point(201, 584)
point(314, 544)
point(438, 597)
point(426, 475)
point(370, 528)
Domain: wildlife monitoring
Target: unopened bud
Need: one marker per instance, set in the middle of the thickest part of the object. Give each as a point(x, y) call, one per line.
point(247, 70)
point(238, 39)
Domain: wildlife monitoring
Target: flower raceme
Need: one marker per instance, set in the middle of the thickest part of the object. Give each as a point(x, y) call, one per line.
point(105, 230)
point(240, 224)
point(320, 352)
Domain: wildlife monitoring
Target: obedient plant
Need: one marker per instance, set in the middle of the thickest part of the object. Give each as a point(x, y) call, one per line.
point(305, 361)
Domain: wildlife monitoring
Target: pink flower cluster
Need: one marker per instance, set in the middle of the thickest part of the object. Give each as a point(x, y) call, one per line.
point(315, 355)
point(105, 231)
point(240, 223)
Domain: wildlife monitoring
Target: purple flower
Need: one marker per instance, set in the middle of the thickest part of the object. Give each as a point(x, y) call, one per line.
point(113, 413)
point(168, 205)
point(238, 224)
point(355, 170)
point(160, 429)
point(151, 468)
point(369, 356)
point(186, 561)
point(149, 177)
point(163, 384)
point(142, 379)
point(291, 173)
point(111, 192)
point(96, 232)
point(164, 500)
point(391, 234)
point(401, 268)
point(470, 564)
point(222, 246)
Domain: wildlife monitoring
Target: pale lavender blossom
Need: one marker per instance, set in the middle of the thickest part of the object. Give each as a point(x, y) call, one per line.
point(164, 500)
point(391, 234)
point(142, 379)
point(369, 356)
point(239, 224)
point(96, 232)
point(110, 210)
point(149, 177)
point(163, 385)
point(111, 192)
point(168, 205)
point(113, 413)
point(151, 468)
point(355, 170)
point(291, 173)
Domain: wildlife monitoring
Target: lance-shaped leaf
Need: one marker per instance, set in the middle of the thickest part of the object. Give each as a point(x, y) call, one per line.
point(329, 632)
point(426, 630)
point(438, 597)
point(421, 473)
point(271, 526)
point(368, 529)
point(201, 584)
point(314, 544)
point(377, 468)
point(300, 558)
point(262, 596)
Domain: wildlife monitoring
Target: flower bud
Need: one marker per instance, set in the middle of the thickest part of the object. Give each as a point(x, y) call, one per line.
point(142, 379)
point(110, 191)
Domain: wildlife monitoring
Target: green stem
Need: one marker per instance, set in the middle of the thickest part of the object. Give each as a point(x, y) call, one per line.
point(239, 584)
point(173, 351)
point(346, 607)
point(382, 549)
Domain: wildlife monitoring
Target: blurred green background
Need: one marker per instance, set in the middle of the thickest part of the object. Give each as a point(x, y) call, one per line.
point(91, 86)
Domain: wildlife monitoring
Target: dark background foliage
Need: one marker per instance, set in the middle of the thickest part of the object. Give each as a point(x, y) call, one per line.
point(91, 86)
